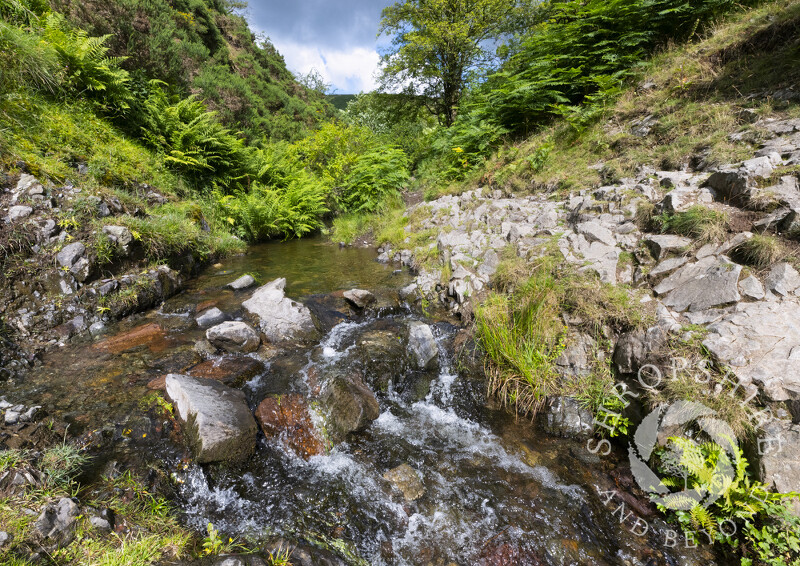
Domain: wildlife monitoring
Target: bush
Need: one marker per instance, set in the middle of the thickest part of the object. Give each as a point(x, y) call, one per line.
point(374, 178)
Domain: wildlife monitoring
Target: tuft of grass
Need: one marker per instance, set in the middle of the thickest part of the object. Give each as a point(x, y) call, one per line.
point(698, 222)
point(760, 251)
point(521, 333)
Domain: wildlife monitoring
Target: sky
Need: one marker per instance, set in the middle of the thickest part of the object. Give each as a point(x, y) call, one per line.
point(337, 38)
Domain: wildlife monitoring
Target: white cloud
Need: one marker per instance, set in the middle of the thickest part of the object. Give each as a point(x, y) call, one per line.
point(350, 71)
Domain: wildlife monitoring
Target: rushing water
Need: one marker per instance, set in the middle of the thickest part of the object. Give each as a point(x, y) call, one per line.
point(496, 491)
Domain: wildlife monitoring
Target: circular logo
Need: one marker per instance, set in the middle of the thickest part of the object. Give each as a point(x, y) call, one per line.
point(704, 477)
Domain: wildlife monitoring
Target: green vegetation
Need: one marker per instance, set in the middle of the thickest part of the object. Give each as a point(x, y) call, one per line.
point(760, 251)
point(522, 333)
point(698, 222)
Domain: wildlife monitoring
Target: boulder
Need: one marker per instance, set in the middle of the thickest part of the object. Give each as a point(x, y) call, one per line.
point(18, 213)
point(667, 266)
point(219, 425)
point(210, 317)
point(661, 245)
point(405, 479)
point(349, 406)
point(121, 236)
point(595, 232)
point(783, 280)
point(234, 337)
point(287, 418)
point(58, 521)
point(279, 317)
point(70, 254)
point(244, 282)
point(751, 288)
point(711, 282)
point(577, 359)
point(564, 416)
point(359, 298)
point(422, 345)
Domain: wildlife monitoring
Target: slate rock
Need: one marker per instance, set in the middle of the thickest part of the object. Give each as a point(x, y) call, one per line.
point(210, 317)
point(234, 336)
point(783, 280)
point(701, 289)
point(565, 416)
point(70, 254)
point(279, 318)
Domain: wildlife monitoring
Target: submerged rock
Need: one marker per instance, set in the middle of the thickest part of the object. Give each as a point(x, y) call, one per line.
point(219, 425)
point(279, 317)
point(407, 481)
point(288, 419)
point(234, 337)
point(210, 317)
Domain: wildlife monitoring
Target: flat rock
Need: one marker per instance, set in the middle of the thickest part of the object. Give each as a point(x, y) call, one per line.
point(406, 479)
point(243, 282)
point(359, 297)
point(150, 335)
point(596, 232)
point(230, 370)
point(758, 341)
point(210, 317)
point(667, 266)
point(661, 245)
point(234, 336)
point(702, 288)
point(279, 317)
point(422, 345)
point(219, 425)
point(287, 418)
point(18, 212)
point(779, 465)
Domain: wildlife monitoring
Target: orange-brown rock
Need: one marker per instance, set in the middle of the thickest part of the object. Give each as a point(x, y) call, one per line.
point(230, 370)
point(150, 335)
point(287, 418)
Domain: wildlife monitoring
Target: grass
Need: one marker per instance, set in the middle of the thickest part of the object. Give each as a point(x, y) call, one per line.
point(759, 252)
point(698, 222)
point(522, 334)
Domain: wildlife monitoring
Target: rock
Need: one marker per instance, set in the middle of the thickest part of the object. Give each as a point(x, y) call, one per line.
point(11, 417)
point(751, 288)
point(661, 245)
point(210, 317)
point(359, 297)
point(349, 406)
point(408, 292)
point(244, 282)
point(234, 337)
point(97, 328)
point(731, 187)
point(667, 266)
point(150, 335)
point(219, 425)
point(757, 340)
point(783, 280)
point(120, 235)
point(230, 370)
point(779, 462)
point(70, 254)
point(82, 269)
point(577, 358)
point(279, 317)
point(564, 416)
point(18, 213)
point(287, 418)
point(422, 345)
point(711, 282)
point(5, 538)
point(100, 523)
point(757, 167)
point(596, 232)
point(27, 184)
point(57, 521)
point(405, 479)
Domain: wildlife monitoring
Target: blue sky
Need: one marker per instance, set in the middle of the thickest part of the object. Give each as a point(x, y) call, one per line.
point(337, 38)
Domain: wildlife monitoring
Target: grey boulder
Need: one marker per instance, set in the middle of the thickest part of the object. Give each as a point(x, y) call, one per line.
point(70, 254)
point(244, 282)
point(279, 317)
point(19, 212)
point(359, 297)
point(234, 336)
point(711, 282)
point(210, 317)
point(219, 425)
point(422, 345)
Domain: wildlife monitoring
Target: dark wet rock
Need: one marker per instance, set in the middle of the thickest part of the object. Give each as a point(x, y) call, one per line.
point(58, 521)
point(406, 479)
point(243, 282)
point(70, 254)
point(359, 298)
point(234, 337)
point(565, 416)
point(381, 351)
point(71, 327)
point(287, 419)
point(422, 345)
point(711, 282)
point(210, 317)
point(633, 349)
point(230, 370)
point(348, 406)
point(219, 425)
point(279, 318)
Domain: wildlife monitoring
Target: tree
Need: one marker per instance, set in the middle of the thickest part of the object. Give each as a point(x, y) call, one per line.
point(436, 44)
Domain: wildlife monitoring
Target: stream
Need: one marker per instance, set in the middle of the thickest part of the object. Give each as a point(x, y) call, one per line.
point(491, 489)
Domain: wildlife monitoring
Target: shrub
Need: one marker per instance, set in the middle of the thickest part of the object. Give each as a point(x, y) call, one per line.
point(760, 251)
point(375, 176)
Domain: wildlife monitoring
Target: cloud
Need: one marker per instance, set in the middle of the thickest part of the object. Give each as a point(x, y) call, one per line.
point(349, 70)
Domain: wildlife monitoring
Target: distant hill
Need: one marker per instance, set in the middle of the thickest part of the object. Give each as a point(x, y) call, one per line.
point(340, 101)
point(204, 47)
